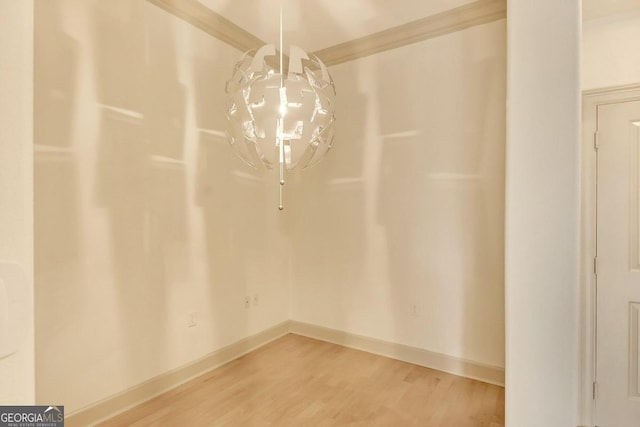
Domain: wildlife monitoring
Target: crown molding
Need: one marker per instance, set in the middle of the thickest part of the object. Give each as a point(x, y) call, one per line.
point(472, 14)
point(200, 16)
point(476, 13)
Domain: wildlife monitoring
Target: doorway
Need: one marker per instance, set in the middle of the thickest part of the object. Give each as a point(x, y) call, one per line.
point(612, 300)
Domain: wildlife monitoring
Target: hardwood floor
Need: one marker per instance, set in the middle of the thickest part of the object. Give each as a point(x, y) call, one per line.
point(298, 381)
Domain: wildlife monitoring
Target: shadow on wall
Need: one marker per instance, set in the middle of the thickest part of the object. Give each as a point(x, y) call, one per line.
point(143, 215)
point(329, 208)
point(245, 254)
point(57, 187)
point(441, 195)
point(141, 175)
point(234, 230)
point(399, 232)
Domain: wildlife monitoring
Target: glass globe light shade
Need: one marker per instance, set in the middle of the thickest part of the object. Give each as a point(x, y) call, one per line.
point(277, 118)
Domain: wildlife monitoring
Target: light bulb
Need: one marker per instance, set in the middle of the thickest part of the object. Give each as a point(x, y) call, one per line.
point(283, 110)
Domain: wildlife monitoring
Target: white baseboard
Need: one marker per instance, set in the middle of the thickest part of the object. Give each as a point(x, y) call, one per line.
point(417, 356)
point(147, 390)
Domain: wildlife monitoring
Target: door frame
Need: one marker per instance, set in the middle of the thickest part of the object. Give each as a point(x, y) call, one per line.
point(591, 101)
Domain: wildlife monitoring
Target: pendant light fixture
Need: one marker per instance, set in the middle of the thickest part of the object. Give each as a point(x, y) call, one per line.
point(280, 117)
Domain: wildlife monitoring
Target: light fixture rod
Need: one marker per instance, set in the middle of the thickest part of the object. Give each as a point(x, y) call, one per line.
point(281, 120)
point(281, 49)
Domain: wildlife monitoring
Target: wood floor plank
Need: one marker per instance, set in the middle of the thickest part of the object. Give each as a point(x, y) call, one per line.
point(299, 381)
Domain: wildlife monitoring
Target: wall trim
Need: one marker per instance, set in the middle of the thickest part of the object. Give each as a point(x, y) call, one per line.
point(591, 100)
point(418, 356)
point(610, 92)
point(460, 18)
point(121, 402)
point(200, 16)
point(476, 13)
point(138, 394)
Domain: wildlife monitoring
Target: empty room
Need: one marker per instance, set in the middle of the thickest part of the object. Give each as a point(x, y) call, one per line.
point(319, 213)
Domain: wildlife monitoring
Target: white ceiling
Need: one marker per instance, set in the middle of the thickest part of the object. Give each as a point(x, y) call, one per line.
point(317, 24)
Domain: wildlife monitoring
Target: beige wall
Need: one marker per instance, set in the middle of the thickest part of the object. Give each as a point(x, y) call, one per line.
point(142, 214)
point(16, 201)
point(610, 51)
point(408, 209)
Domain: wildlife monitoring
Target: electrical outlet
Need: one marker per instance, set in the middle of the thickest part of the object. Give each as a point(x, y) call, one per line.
point(247, 302)
point(192, 320)
point(256, 300)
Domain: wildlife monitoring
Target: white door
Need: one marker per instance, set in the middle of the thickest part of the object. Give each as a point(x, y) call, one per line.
point(618, 266)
